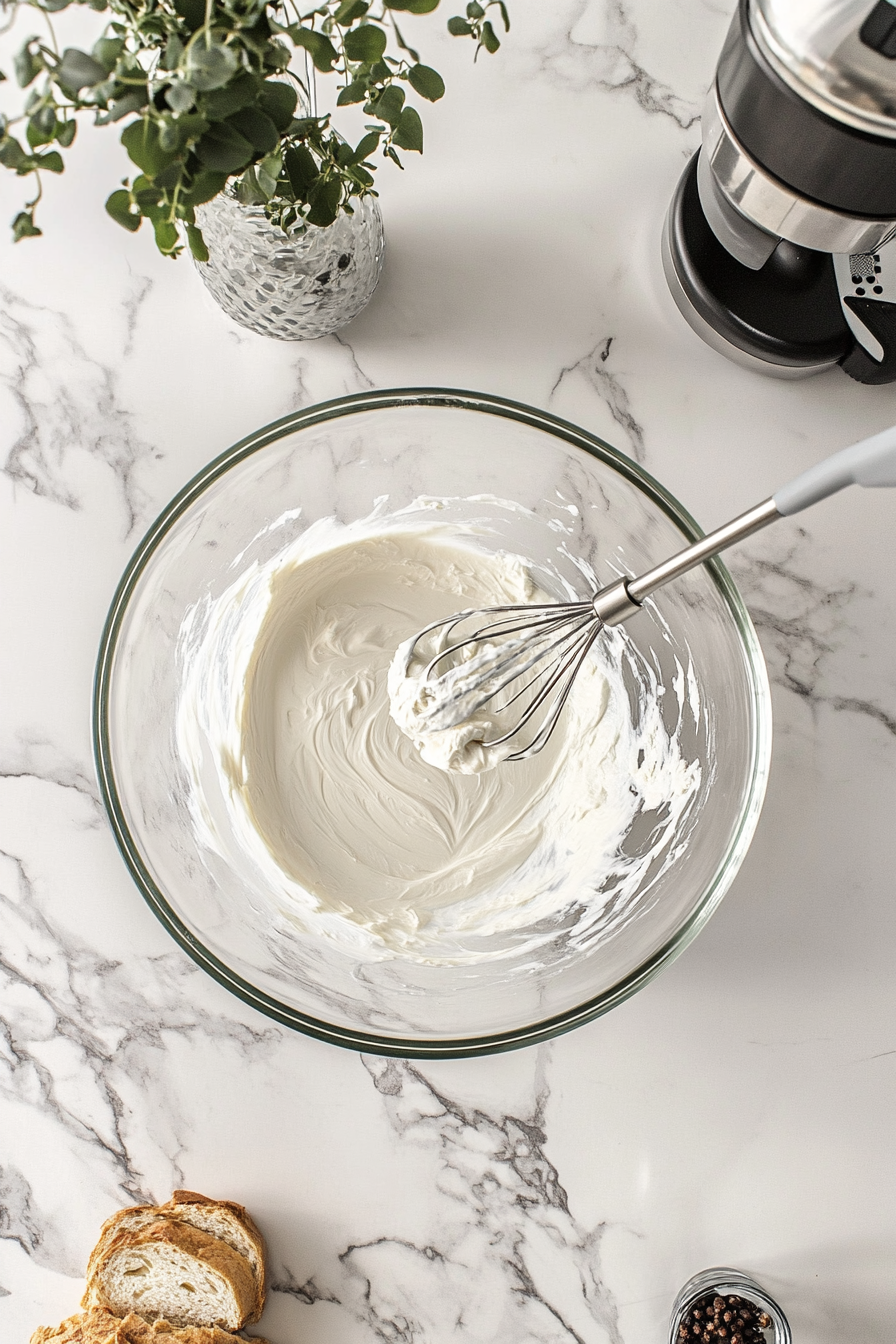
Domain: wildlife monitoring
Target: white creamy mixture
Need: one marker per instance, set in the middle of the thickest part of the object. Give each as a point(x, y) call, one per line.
point(298, 776)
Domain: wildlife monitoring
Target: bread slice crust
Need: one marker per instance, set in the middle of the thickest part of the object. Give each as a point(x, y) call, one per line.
point(221, 1218)
point(100, 1326)
point(146, 1269)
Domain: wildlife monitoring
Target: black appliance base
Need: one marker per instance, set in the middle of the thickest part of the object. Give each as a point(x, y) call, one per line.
point(784, 320)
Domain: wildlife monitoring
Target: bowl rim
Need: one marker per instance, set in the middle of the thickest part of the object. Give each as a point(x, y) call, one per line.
point(347, 1037)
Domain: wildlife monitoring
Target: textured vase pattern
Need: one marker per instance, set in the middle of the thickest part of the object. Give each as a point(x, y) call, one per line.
point(293, 286)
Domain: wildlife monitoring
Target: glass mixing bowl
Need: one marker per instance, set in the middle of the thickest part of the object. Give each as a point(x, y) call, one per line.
point(583, 500)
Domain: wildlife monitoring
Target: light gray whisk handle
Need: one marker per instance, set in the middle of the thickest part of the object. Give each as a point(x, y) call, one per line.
point(871, 463)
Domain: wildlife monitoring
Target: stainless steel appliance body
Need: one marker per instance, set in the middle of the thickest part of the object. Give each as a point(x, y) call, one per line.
point(780, 242)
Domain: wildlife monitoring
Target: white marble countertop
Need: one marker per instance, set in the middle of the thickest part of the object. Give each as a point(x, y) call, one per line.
point(740, 1108)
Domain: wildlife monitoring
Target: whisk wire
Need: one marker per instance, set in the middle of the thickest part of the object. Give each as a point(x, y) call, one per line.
point(546, 619)
point(560, 648)
point(517, 668)
point(570, 670)
point(493, 671)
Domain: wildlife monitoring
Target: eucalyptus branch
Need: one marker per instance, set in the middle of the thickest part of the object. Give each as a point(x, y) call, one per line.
point(200, 87)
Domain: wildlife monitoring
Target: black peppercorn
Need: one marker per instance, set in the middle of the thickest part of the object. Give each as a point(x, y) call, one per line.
point(714, 1320)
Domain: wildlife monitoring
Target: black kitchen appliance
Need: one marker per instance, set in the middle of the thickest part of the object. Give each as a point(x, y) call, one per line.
point(777, 244)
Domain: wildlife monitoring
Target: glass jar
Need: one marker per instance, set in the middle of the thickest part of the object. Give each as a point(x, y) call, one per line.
point(296, 285)
point(726, 1282)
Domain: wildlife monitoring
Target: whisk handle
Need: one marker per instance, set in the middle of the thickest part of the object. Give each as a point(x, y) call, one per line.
point(871, 462)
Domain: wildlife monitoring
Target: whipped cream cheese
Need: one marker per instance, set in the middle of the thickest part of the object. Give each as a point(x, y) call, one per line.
point(297, 774)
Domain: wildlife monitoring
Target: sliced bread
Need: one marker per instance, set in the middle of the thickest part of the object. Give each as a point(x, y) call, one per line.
point(168, 1269)
point(88, 1327)
point(221, 1218)
point(134, 1330)
point(227, 1221)
point(99, 1326)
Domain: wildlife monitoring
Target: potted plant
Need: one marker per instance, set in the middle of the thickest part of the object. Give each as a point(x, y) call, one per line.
point(229, 154)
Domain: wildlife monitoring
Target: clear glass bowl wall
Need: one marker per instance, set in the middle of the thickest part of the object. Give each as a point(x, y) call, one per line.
point(338, 460)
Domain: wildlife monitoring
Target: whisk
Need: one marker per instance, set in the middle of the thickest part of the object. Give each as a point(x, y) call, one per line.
point(528, 654)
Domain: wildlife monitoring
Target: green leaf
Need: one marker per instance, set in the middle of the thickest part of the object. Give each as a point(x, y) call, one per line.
point(276, 56)
point(413, 6)
point(257, 127)
point(240, 92)
point(179, 96)
point(145, 193)
point(366, 146)
point(387, 107)
point(504, 15)
point(191, 11)
point(11, 153)
point(325, 198)
point(120, 207)
point(23, 226)
point(272, 164)
point(107, 51)
point(318, 46)
point(427, 82)
point(205, 186)
point(174, 50)
point(77, 70)
point(131, 102)
point(41, 127)
point(26, 66)
point(308, 126)
point(51, 163)
point(301, 169)
point(142, 141)
point(249, 190)
point(267, 183)
point(459, 28)
point(170, 178)
point(355, 92)
point(197, 243)
point(350, 10)
point(361, 176)
point(65, 132)
point(209, 67)
point(279, 102)
point(176, 133)
point(166, 236)
point(475, 11)
point(489, 38)
point(366, 43)
point(224, 149)
point(410, 131)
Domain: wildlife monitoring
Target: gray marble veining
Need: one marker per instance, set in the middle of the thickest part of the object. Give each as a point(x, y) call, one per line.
point(737, 1110)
